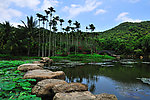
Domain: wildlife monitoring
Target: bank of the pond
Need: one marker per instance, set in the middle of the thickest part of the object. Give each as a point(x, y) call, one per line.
point(85, 58)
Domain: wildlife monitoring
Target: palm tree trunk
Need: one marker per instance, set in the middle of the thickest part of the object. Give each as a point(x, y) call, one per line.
point(46, 41)
point(39, 41)
point(43, 43)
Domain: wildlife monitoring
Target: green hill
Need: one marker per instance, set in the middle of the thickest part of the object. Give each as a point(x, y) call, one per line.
point(127, 38)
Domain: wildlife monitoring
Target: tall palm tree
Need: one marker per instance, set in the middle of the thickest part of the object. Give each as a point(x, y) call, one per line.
point(61, 22)
point(47, 13)
point(52, 10)
point(44, 18)
point(77, 26)
point(70, 22)
point(56, 18)
point(92, 28)
point(39, 19)
point(30, 27)
point(54, 23)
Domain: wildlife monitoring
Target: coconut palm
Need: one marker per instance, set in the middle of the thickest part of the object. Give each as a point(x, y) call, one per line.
point(61, 22)
point(52, 10)
point(47, 13)
point(92, 28)
point(30, 27)
point(44, 18)
point(39, 19)
point(77, 26)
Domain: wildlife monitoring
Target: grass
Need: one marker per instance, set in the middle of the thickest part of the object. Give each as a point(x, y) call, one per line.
point(83, 57)
point(12, 86)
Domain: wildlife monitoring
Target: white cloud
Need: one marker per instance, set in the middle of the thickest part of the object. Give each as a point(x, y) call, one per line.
point(32, 4)
point(100, 11)
point(75, 10)
point(49, 3)
point(124, 18)
point(7, 13)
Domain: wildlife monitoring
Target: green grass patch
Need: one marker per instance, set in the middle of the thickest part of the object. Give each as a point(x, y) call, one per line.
point(83, 57)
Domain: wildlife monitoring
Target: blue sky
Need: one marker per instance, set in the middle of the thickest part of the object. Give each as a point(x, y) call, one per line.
point(104, 14)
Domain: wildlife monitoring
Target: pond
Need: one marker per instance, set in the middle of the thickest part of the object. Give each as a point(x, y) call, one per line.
point(113, 77)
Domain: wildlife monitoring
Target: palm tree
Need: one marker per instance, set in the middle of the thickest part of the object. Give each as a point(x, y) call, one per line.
point(47, 13)
point(61, 21)
point(56, 19)
point(39, 18)
point(77, 26)
point(92, 28)
point(54, 23)
point(51, 9)
point(70, 22)
point(30, 27)
point(44, 18)
point(5, 37)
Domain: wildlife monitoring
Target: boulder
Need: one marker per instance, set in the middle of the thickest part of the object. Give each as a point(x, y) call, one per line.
point(38, 62)
point(44, 74)
point(86, 95)
point(105, 96)
point(71, 87)
point(27, 67)
point(46, 60)
point(44, 87)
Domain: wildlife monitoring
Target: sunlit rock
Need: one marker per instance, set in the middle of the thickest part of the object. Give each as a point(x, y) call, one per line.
point(44, 87)
point(86, 95)
point(44, 74)
point(27, 67)
point(71, 87)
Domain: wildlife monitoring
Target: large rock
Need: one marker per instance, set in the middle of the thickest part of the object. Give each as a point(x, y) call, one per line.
point(44, 74)
point(44, 87)
point(27, 67)
point(71, 87)
point(105, 96)
point(46, 60)
point(86, 95)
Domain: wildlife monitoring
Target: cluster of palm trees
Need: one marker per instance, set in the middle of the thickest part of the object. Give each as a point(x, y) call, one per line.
point(52, 42)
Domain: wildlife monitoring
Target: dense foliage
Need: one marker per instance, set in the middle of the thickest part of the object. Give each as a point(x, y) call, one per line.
point(127, 38)
point(12, 86)
point(43, 37)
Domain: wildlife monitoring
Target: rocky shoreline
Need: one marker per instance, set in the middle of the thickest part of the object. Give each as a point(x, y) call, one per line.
point(51, 85)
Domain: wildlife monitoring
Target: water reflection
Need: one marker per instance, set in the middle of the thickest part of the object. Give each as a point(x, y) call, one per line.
point(118, 79)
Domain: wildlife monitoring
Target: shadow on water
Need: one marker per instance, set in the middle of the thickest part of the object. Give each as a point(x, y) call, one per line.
point(119, 79)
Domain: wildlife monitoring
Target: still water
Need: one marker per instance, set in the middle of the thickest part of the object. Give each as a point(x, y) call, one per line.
point(114, 77)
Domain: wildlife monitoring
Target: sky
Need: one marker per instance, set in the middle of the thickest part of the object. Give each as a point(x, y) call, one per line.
point(104, 14)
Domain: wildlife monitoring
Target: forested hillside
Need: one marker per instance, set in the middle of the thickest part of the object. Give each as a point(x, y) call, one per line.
point(127, 38)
